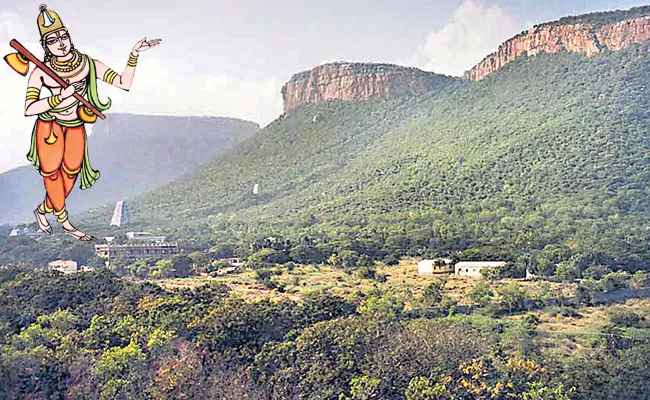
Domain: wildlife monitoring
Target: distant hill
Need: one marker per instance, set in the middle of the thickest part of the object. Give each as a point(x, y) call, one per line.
point(549, 154)
point(134, 154)
point(547, 159)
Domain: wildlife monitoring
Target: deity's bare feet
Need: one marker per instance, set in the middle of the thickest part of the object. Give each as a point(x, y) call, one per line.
point(68, 229)
point(41, 220)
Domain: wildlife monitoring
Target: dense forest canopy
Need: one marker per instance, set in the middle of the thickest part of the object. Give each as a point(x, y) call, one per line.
point(94, 336)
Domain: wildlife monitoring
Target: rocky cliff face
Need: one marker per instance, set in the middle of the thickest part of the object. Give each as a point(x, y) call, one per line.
point(588, 39)
point(357, 82)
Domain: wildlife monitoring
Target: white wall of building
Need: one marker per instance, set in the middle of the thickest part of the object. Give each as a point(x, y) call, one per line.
point(473, 268)
point(428, 267)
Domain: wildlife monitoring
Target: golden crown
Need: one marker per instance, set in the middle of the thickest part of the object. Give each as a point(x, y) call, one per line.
point(49, 21)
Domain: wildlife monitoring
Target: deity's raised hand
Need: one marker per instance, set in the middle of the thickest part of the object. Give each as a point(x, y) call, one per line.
point(145, 44)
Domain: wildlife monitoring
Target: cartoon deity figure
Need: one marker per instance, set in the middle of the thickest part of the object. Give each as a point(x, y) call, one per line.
point(59, 148)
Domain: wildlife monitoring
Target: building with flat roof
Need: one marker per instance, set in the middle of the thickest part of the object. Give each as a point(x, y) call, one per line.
point(145, 237)
point(25, 231)
point(65, 266)
point(473, 268)
point(134, 251)
point(436, 266)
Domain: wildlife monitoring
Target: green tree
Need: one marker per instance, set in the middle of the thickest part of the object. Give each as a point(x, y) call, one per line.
point(511, 296)
point(614, 281)
point(432, 295)
point(162, 269)
point(120, 372)
point(363, 388)
point(567, 271)
point(182, 266)
point(200, 259)
point(421, 388)
point(491, 274)
point(480, 294)
point(381, 306)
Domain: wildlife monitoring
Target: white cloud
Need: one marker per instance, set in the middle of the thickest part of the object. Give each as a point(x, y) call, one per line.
point(10, 26)
point(474, 32)
point(158, 90)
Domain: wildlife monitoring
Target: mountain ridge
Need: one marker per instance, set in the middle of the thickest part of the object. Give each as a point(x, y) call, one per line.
point(547, 156)
point(357, 82)
point(588, 34)
point(588, 39)
point(133, 153)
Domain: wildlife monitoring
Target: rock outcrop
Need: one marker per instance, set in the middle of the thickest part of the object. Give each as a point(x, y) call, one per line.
point(358, 82)
point(588, 34)
point(588, 39)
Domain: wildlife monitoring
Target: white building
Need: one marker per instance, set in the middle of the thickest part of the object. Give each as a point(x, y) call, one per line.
point(67, 266)
point(232, 261)
point(135, 251)
point(437, 266)
point(146, 237)
point(473, 268)
point(26, 231)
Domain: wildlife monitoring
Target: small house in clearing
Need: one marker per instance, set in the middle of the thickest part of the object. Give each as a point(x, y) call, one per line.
point(473, 268)
point(437, 266)
point(67, 266)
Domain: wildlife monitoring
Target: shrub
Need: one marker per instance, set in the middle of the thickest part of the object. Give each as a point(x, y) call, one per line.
point(391, 260)
point(531, 319)
point(640, 280)
point(614, 280)
point(625, 318)
point(432, 294)
point(367, 273)
point(596, 272)
point(262, 275)
point(381, 277)
point(563, 311)
point(480, 294)
point(448, 305)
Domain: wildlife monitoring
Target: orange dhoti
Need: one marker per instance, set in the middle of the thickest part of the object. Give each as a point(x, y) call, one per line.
point(60, 152)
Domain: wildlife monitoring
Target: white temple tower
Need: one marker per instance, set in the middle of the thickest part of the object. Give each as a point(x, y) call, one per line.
point(121, 214)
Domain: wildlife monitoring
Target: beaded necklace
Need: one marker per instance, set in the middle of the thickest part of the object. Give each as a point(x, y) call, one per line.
point(78, 72)
point(71, 65)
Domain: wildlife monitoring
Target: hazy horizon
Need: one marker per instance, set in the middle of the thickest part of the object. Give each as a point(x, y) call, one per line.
point(224, 60)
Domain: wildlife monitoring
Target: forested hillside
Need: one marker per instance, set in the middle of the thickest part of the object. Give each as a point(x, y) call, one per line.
point(546, 158)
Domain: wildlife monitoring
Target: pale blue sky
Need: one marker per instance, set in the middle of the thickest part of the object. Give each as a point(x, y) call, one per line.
point(230, 58)
point(262, 38)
